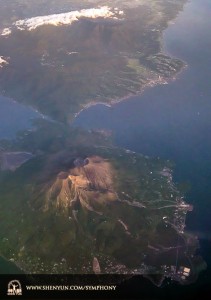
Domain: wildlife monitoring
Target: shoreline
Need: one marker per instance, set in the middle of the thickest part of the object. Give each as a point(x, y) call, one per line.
point(27, 107)
point(150, 84)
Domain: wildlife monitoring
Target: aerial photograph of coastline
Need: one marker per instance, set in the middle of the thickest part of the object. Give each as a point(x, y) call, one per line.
point(105, 149)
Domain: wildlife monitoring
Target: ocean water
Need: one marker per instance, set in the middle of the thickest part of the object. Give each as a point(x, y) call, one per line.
point(8, 267)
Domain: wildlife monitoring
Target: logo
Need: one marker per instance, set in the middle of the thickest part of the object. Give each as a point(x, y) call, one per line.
point(14, 288)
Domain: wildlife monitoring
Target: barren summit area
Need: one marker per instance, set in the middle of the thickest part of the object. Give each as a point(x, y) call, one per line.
point(89, 183)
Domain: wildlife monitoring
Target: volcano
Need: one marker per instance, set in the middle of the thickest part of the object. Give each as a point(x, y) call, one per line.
point(88, 184)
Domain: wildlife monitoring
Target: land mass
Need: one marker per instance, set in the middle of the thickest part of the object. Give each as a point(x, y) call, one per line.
point(81, 209)
point(89, 52)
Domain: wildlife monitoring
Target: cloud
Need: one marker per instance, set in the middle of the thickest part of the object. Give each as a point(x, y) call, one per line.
point(2, 62)
point(6, 31)
point(62, 19)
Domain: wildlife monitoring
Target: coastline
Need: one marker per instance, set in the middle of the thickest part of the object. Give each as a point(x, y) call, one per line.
point(150, 84)
point(13, 262)
point(27, 107)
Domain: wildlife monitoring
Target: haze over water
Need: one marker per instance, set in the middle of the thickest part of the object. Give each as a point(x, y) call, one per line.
point(173, 121)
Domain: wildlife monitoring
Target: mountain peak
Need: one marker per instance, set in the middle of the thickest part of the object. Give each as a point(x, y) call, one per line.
point(90, 180)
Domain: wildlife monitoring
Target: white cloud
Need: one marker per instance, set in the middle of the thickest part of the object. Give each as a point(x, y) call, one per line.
point(6, 31)
point(62, 19)
point(2, 62)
